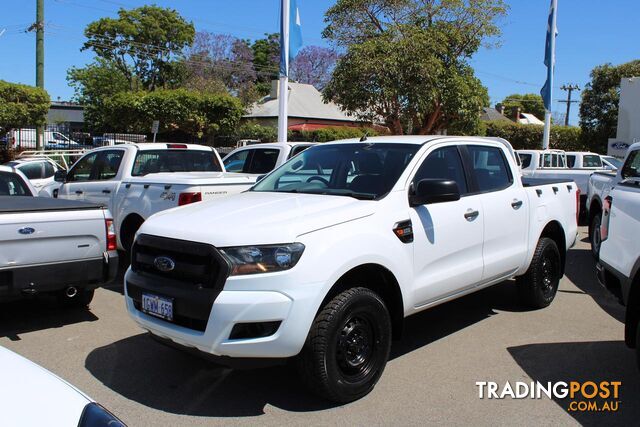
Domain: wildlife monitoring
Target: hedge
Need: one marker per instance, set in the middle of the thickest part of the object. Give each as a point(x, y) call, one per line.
point(22, 105)
point(530, 136)
point(252, 130)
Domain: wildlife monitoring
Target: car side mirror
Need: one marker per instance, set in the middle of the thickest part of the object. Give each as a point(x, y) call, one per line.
point(60, 176)
point(429, 191)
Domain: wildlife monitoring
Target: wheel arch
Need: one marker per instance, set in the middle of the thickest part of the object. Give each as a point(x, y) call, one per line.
point(554, 231)
point(380, 280)
point(633, 312)
point(129, 225)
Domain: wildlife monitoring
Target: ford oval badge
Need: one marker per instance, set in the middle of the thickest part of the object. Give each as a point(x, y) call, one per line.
point(26, 230)
point(164, 264)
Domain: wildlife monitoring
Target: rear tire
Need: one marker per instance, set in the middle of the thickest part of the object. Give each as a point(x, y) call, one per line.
point(81, 300)
point(638, 345)
point(538, 286)
point(348, 346)
point(594, 235)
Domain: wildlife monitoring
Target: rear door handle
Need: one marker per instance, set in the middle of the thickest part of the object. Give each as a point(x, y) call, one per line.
point(470, 215)
point(106, 191)
point(78, 191)
point(516, 204)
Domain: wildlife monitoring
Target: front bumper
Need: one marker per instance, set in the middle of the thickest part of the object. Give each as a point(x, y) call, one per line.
point(257, 299)
point(46, 278)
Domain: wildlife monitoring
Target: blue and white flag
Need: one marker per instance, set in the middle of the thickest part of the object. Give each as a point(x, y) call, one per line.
point(550, 55)
point(292, 34)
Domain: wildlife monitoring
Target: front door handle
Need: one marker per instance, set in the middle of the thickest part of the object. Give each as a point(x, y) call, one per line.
point(106, 191)
point(78, 191)
point(470, 215)
point(516, 204)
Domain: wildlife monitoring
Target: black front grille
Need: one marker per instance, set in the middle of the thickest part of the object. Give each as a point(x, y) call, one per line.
point(195, 263)
point(194, 283)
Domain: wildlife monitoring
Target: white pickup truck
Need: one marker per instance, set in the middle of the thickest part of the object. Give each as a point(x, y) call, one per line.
point(56, 247)
point(137, 180)
point(260, 159)
point(552, 164)
point(324, 257)
point(600, 185)
point(619, 264)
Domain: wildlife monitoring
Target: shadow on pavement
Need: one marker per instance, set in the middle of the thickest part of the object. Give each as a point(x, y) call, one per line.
point(581, 270)
point(163, 378)
point(586, 361)
point(23, 316)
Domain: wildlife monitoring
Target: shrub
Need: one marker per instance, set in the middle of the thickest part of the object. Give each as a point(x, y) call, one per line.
point(530, 136)
point(22, 105)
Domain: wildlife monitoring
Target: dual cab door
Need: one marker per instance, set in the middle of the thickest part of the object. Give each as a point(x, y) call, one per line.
point(465, 243)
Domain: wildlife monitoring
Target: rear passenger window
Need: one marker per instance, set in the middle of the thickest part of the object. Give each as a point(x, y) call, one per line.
point(490, 168)
point(262, 161)
point(32, 170)
point(571, 161)
point(443, 163)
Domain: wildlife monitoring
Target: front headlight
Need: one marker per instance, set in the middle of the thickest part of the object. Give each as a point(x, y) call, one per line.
point(262, 259)
point(95, 415)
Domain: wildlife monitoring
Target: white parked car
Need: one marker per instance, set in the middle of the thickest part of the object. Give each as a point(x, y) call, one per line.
point(325, 256)
point(619, 264)
point(261, 159)
point(601, 183)
point(15, 183)
point(39, 171)
point(137, 180)
point(32, 396)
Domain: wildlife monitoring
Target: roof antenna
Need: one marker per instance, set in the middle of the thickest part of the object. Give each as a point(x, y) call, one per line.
point(364, 137)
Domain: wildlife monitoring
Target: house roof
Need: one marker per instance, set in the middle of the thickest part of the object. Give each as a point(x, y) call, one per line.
point(491, 114)
point(305, 101)
point(529, 119)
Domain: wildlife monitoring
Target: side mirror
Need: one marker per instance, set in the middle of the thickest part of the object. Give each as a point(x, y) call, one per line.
point(60, 175)
point(428, 191)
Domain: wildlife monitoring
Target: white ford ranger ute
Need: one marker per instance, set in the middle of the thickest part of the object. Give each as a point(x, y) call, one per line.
point(324, 257)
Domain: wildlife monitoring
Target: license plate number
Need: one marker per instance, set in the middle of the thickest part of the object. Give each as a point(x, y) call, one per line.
point(157, 306)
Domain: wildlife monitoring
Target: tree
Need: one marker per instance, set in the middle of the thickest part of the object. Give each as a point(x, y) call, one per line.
point(143, 43)
point(313, 65)
point(221, 63)
point(191, 112)
point(600, 99)
point(266, 61)
point(94, 83)
point(406, 61)
point(528, 103)
point(22, 105)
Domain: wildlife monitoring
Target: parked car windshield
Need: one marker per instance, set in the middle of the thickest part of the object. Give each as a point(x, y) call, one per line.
point(361, 170)
point(12, 185)
point(616, 163)
point(154, 161)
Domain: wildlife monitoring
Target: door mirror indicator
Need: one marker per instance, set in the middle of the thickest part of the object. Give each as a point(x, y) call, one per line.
point(429, 191)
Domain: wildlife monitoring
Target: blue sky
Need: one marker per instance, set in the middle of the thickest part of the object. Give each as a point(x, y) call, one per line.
point(591, 32)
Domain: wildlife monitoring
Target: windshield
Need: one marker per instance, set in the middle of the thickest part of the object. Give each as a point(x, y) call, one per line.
point(631, 167)
point(155, 161)
point(360, 170)
point(12, 185)
point(616, 163)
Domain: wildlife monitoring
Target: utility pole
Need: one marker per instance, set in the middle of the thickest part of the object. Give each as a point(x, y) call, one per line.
point(38, 27)
point(568, 88)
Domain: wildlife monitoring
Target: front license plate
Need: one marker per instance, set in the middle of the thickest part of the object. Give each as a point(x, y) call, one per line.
point(157, 306)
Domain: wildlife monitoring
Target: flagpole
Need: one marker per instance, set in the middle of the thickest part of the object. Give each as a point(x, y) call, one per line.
point(547, 113)
point(283, 92)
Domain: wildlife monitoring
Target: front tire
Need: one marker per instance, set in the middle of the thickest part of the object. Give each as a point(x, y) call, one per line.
point(538, 286)
point(348, 346)
point(594, 235)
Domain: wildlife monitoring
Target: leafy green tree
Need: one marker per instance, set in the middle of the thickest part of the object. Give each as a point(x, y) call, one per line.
point(600, 100)
point(266, 61)
point(406, 61)
point(194, 113)
point(143, 43)
point(92, 84)
point(22, 105)
point(528, 103)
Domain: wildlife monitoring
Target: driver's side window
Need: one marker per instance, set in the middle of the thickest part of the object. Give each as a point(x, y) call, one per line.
point(81, 171)
point(443, 163)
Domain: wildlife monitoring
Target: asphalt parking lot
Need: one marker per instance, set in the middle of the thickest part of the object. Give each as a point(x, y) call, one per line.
point(430, 378)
